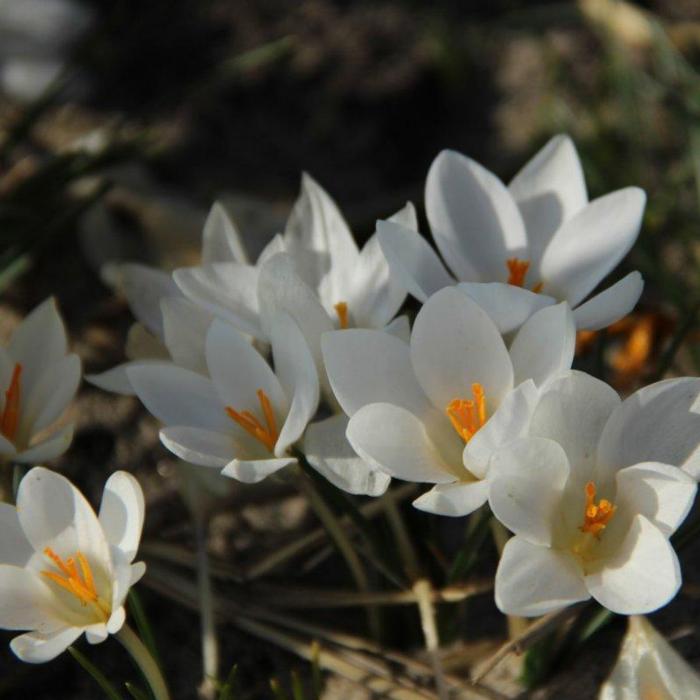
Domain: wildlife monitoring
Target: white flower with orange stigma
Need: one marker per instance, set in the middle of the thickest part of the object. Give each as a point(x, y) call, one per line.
point(242, 418)
point(519, 248)
point(433, 410)
point(38, 379)
point(593, 496)
point(649, 668)
point(65, 571)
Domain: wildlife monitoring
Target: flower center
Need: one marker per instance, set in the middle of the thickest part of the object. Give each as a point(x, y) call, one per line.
point(468, 415)
point(266, 433)
point(81, 583)
point(9, 419)
point(341, 308)
point(517, 271)
point(596, 516)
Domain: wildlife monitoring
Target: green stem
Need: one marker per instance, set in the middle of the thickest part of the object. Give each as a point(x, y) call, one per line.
point(107, 688)
point(140, 654)
point(342, 542)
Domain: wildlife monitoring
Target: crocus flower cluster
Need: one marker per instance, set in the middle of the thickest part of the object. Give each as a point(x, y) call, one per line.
point(249, 366)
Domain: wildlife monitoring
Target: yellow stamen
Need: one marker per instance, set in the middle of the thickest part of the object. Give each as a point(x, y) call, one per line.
point(82, 586)
point(341, 308)
point(267, 434)
point(596, 516)
point(9, 419)
point(467, 415)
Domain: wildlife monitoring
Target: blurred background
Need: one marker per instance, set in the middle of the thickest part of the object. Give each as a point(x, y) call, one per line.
point(122, 121)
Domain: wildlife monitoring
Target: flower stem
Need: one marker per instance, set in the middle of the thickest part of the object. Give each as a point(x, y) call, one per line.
point(140, 654)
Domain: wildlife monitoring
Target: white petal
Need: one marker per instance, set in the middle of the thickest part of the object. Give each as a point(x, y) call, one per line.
point(400, 328)
point(649, 667)
point(54, 514)
point(276, 245)
point(295, 367)
point(527, 480)
point(611, 305)
point(642, 576)
point(406, 217)
point(138, 569)
point(454, 344)
point(455, 500)
point(544, 345)
point(46, 450)
point(38, 342)
point(474, 219)
point(573, 411)
point(589, 246)
point(660, 492)
point(117, 620)
point(280, 288)
point(227, 290)
point(96, 634)
point(14, 545)
point(238, 371)
point(143, 288)
point(532, 580)
point(253, 471)
point(366, 366)
point(659, 423)
point(549, 190)
point(508, 306)
point(184, 330)
point(51, 394)
point(7, 448)
point(413, 263)
point(221, 241)
point(328, 451)
point(122, 512)
point(510, 421)
point(393, 440)
point(206, 448)
point(116, 379)
point(37, 649)
point(375, 295)
point(26, 602)
point(318, 237)
point(177, 396)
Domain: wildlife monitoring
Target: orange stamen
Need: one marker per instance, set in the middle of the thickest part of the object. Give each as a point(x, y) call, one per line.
point(517, 270)
point(468, 416)
point(81, 585)
point(267, 434)
point(341, 308)
point(596, 516)
point(9, 419)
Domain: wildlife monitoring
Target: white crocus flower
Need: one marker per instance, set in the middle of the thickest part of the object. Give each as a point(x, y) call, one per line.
point(432, 411)
point(591, 503)
point(516, 249)
point(242, 417)
point(64, 570)
point(352, 287)
point(38, 379)
point(649, 668)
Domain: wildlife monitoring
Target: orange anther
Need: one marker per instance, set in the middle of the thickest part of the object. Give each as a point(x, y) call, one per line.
point(267, 433)
point(517, 270)
point(467, 415)
point(596, 516)
point(341, 308)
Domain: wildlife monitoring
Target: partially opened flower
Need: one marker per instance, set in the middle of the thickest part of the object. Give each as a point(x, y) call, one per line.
point(433, 411)
point(38, 378)
point(516, 249)
point(168, 326)
point(351, 287)
point(64, 570)
point(649, 668)
point(242, 417)
point(588, 522)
